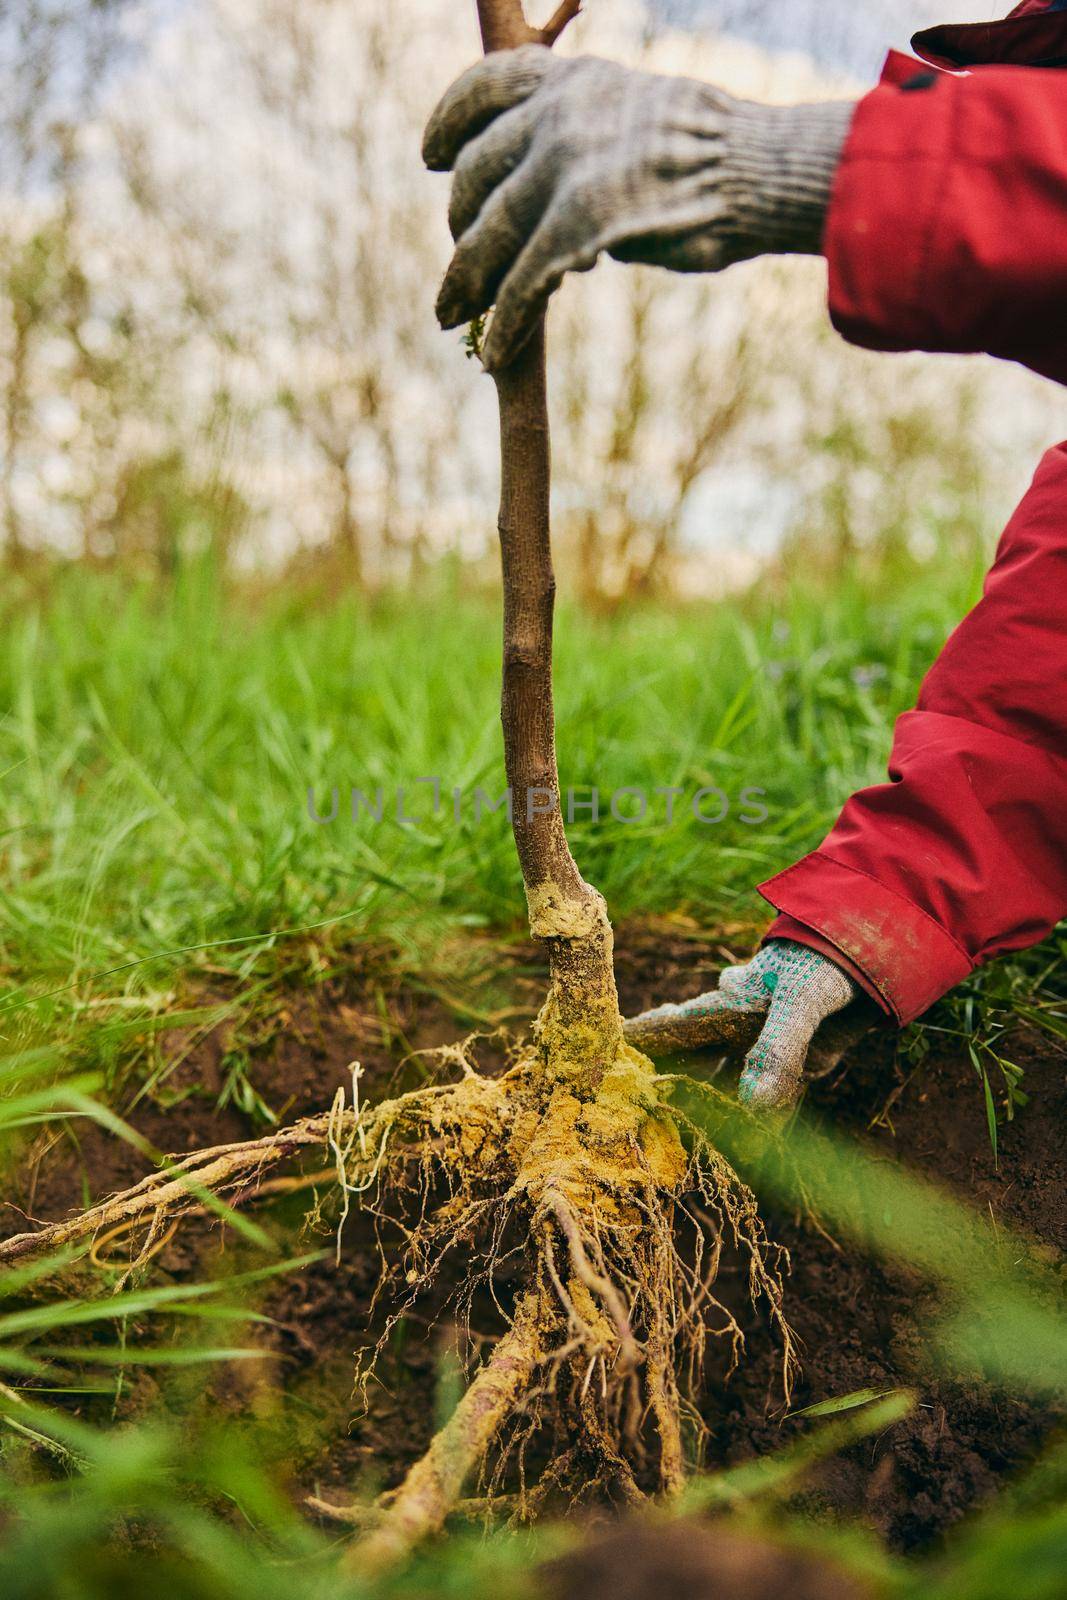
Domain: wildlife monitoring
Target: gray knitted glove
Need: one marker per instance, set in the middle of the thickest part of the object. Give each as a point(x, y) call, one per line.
point(783, 995)
point(556, 160)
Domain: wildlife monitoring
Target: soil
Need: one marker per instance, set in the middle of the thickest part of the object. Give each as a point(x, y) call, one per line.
point(859, 1322)
point(672, 1562)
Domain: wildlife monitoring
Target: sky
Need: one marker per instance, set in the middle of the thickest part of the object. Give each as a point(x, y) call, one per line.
point(771, 49)
point(844, 35)
point(852, 35)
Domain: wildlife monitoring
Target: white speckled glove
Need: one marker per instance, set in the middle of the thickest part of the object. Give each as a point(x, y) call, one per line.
point(556, 160)
point(784, 995)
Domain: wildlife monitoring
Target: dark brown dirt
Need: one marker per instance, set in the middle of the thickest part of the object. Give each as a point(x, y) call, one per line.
point(859, 1322)
point(690, 1562)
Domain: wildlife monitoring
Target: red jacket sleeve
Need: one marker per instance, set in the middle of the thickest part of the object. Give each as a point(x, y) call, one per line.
point(962, 855)
point(948, 224)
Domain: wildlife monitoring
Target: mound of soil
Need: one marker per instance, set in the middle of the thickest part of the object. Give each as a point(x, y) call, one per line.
point(684, 1561)
point(858, 1321)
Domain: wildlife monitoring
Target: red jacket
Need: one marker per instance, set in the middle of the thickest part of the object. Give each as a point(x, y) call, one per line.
point(948, 231)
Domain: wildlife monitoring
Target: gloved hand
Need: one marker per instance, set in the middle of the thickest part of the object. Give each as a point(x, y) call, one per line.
point(775, 1003)
point(556, 160)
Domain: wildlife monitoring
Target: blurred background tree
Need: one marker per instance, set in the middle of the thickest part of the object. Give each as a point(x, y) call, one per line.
point(218, 256)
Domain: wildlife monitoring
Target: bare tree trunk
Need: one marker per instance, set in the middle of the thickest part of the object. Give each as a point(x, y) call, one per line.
point(346, 525)
point(14, 406)
point(579, 1029)
point(590, 586)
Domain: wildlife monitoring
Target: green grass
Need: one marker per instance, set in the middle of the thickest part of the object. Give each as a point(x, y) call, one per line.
point(157, 746)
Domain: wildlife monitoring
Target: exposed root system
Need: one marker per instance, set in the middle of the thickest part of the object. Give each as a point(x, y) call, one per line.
point(621, 1208)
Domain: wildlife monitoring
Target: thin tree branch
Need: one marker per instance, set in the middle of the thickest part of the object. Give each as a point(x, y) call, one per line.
point(564, 15)
point(504, 24)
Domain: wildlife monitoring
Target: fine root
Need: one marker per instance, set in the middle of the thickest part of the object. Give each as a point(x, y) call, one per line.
point(597, 1282)
point(192, 1183)
point(621, 1207)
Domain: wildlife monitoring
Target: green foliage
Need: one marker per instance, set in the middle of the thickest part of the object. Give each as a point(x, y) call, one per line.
point(1028, 988)
point(474, 338)
point(158, 749)
point(160, 745)
point(161, 742)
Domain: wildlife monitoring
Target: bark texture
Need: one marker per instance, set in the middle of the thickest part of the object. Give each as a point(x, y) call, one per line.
point(504, 26)
point(580, 1029)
